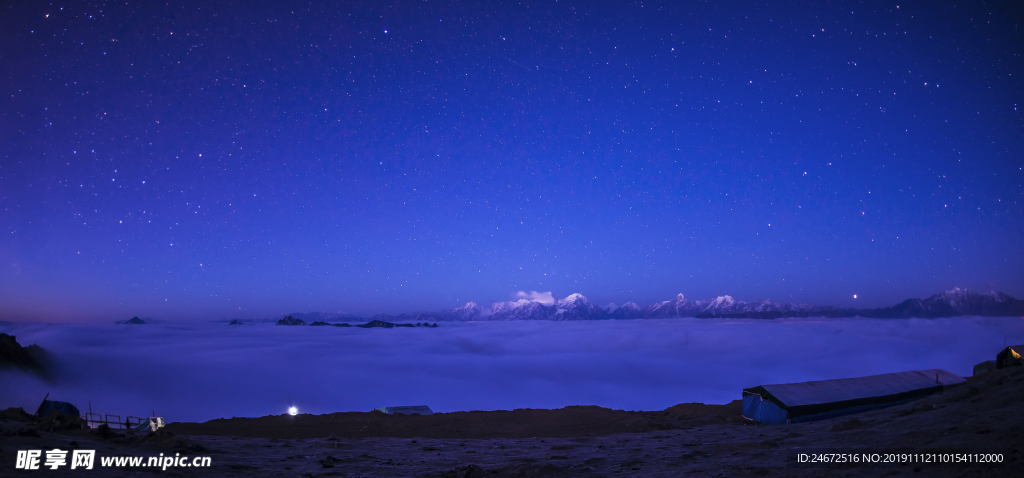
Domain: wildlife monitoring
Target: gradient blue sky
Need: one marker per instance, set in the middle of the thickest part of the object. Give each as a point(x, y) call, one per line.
point(248, 159)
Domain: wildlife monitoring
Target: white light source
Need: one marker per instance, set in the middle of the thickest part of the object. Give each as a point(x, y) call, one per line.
point(293, 411)
point(854, 296)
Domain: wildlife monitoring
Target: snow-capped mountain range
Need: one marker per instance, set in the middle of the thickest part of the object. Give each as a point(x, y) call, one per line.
point(951, 303)
point(955, 302)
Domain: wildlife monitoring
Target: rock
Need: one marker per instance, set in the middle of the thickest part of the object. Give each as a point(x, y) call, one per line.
point(42, 357)
point(319, 323)
point(12, 354)
point(235, 322)
point(377, 323)
point(135, 320)
point(17, 414)
point(290, 321)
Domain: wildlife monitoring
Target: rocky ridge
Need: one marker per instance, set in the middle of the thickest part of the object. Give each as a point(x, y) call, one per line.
point(951, 303)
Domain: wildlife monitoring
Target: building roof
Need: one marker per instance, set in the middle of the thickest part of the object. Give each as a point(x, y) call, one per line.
point(50, 406)
point(853, 389)
point(1016, 348)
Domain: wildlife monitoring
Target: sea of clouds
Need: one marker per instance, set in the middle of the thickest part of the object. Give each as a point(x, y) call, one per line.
point(197, 372)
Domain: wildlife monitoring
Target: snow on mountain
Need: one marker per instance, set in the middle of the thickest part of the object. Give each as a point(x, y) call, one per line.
point(722, 302)
point(572, 299)
point(955, 302)
point(577, 307)
point(629, 310)
point(678, 307)
point(521, 309)
point(470, 311)
point(543, 306)
point(950, 303)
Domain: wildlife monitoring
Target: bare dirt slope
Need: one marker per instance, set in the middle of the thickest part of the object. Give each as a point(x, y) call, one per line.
point(984, 414)
point(577, 421)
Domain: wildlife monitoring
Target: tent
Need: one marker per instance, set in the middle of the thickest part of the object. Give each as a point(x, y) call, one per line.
point(50, 406)
point(1010, 356)
point(821, 399)
point(407, 410)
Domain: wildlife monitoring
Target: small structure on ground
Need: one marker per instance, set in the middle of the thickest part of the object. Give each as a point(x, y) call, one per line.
point(407, 410)
point(50, 406)
point(984, 367)
point(1010, 356)
point(821, 399)
point(150, 424)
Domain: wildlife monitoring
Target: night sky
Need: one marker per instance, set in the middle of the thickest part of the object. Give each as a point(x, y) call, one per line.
point(213, 160)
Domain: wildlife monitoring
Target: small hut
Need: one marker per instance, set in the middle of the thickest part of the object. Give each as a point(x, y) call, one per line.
point(1010, 356)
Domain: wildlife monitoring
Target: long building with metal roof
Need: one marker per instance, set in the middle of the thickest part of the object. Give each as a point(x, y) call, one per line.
point(820, 399)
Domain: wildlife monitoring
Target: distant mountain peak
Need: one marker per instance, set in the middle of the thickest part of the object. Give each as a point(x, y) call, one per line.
point(721, 301)
point(574, 298)
point(543, 306)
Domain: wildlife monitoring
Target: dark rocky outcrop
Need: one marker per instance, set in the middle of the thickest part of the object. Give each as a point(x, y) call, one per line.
point(377, 323)
point(13, 355)
point(235, 322)
point(390, 325)
point(290, 321)
point(135, 320)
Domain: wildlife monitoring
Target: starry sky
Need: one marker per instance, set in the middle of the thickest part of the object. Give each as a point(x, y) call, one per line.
point(247, 159)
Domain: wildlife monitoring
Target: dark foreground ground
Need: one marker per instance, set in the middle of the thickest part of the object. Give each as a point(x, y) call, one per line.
point(986, 414)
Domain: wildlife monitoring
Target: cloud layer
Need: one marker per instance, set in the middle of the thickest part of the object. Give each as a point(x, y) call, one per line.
point(543, 297)
point(197, 372)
